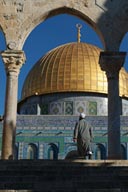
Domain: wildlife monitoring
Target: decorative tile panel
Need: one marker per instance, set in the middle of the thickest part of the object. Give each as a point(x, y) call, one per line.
point(56, 108)
point(80, 107)
point(31, 109)
point(92, 108)
point(68, 107)
point(44, 109)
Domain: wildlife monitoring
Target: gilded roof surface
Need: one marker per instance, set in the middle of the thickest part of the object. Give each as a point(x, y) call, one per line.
point(70, 68)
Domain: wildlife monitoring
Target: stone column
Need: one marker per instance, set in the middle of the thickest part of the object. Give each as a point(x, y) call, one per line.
point(111, 63)
point(13, 61)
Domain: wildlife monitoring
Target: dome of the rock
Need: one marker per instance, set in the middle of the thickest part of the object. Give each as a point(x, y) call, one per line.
point(68, 68)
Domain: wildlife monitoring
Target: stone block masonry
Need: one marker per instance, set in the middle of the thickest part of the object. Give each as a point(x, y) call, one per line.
point(64, 175)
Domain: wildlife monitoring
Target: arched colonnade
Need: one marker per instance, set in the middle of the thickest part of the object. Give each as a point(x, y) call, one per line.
point(107, 18)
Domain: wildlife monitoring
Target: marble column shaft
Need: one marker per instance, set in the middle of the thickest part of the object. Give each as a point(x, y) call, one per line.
point(13, 61)
point(111, 63)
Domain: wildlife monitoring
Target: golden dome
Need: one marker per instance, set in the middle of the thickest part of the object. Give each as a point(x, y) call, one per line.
point(70, 68)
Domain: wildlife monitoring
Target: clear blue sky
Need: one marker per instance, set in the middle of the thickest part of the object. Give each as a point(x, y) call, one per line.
point(53, 32)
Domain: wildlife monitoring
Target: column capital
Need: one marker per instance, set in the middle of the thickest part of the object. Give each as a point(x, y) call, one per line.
point(13, 60)
point(111, 62)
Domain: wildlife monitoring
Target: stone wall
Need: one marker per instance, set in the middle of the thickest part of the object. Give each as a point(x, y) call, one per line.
point(43, 129)
point(19, 18)
point(64, 176)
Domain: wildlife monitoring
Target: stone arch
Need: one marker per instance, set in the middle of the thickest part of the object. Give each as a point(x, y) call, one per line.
point(108, 18)
point(124, 47)
point(113, 23)
point(61, 10)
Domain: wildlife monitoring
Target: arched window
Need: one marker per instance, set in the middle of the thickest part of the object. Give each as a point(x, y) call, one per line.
point(100, 152)
point(32, 151)
point(53, 151)
point(72, 154)
point(123, 152)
